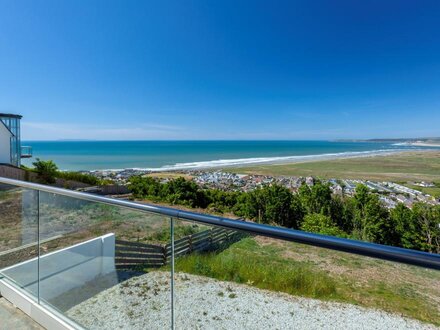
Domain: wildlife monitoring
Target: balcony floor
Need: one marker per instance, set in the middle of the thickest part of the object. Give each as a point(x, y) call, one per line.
point(13, 318)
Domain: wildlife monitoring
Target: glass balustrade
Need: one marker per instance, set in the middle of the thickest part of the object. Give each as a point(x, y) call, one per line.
point(19, 237)
point(103, 266)
point(226, 279)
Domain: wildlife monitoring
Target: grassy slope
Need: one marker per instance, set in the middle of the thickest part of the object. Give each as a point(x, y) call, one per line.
point(399, 167)
point(328, 275)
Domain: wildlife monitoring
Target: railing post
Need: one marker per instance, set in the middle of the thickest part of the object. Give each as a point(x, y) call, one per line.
point(172, 272)
point(38, 246)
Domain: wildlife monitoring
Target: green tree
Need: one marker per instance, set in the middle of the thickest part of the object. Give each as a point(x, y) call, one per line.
point(297, 212)
point(317, 198)
point(371, 219)
point(362, 195)
point(144, 187)
point(403, 220)
point(46, 170)
point(342, 213)
point(313, 209)
point(376, 224)
point(80, 177)
point(321, 224)
point(270, 204)
point(222, 201)
point(181, 191)
point(427, 221)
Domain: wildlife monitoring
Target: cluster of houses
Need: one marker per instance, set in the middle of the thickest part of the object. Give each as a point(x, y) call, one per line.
point(390, 193)
point(424, 184)
point(408, 196)
point(116, 176)
point(243, 182)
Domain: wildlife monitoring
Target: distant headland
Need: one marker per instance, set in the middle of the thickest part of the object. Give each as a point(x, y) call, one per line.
point(421, 142)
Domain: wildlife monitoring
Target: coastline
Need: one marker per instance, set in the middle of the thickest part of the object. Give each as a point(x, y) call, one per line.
point(246, 162)
point(396, 166)
point(191, 155)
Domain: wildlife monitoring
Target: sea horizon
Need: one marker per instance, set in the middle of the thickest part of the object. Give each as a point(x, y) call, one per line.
point(166, 155)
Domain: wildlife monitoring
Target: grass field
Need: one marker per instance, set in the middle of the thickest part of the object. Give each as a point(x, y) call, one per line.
point(402, 167)
point(433, 191)
point(169, 175)
point(307, 271)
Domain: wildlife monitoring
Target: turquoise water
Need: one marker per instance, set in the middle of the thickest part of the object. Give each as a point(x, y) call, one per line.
point(90, 155)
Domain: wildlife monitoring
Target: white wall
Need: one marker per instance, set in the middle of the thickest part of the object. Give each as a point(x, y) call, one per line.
point(5, 145)
point(66, 269)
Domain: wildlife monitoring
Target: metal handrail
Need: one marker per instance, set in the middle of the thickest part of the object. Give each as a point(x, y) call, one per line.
point(391, 253)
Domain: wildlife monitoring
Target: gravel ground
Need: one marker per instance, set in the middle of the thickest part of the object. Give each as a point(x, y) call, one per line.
point(202, 303)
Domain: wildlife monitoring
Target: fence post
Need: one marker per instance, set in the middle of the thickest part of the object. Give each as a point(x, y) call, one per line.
point(164, 252)
point(190, 243)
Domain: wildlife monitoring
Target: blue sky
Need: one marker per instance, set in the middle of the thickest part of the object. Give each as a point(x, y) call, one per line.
point(221, 69)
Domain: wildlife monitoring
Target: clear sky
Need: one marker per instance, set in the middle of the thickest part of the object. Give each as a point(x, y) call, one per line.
point(221, 69)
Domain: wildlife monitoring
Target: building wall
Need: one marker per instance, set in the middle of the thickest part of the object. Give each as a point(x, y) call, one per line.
point(12, 172)
point(5, 145)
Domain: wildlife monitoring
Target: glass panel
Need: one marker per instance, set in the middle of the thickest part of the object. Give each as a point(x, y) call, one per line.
point(203, 254)
point(104, 266)
point(254, 282)
point(13, 124)
point(19, 237)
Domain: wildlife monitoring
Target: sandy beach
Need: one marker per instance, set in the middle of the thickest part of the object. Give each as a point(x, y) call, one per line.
point(243, 162)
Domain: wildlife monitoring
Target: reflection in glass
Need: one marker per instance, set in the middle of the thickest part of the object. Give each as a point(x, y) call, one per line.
point(250, 281)
point(104, 266)
point(19, 237)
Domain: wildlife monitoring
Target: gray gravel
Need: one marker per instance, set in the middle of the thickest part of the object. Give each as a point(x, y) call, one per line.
point(203, 303)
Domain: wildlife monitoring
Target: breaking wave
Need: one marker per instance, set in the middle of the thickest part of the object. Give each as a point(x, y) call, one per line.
point(220, 163)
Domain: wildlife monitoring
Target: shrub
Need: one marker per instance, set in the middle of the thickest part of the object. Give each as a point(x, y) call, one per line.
point(46, 170)
point(80, 177)
point(321, 224)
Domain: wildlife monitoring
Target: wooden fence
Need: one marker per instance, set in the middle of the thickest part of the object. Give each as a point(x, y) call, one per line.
point(132, 254)
point(129, 255)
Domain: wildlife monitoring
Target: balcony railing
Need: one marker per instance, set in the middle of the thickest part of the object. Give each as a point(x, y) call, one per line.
point(26, 152)
point(96, 262)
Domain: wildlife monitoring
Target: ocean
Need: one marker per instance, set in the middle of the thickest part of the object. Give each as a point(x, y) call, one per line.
point(174, 155)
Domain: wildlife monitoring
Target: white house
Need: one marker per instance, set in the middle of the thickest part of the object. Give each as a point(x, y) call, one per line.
point(11, 150)
point(5, 144)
